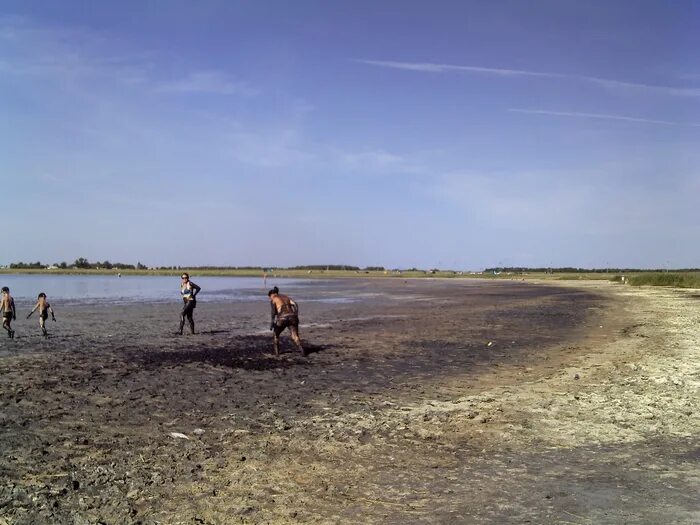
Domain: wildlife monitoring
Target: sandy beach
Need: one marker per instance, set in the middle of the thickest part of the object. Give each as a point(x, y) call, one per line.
point(428, 401)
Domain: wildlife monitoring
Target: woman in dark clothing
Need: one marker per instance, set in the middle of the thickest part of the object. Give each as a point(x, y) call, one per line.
point(189, 292)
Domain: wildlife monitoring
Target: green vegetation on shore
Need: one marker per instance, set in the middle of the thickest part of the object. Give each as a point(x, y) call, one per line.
point(675, 279)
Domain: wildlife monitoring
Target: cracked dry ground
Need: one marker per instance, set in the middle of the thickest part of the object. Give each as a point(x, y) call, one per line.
point(427, 401)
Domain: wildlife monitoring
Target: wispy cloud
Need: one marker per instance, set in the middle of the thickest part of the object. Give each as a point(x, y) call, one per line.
point(33, 50)
point(562, 202)
point(429, 67)
point(30, 49)
point(272, 148)
point(212, 82)
point(371, 160)
point(603, 116)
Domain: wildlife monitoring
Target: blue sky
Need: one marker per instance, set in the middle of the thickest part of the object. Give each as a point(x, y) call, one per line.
point(431, 134)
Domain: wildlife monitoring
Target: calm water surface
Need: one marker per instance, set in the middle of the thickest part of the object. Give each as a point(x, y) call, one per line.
point(110, 289)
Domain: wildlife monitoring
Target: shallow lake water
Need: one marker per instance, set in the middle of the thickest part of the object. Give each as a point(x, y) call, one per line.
point(112, 289)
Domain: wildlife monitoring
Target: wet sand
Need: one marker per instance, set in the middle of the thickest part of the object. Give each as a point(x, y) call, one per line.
point(427, 401)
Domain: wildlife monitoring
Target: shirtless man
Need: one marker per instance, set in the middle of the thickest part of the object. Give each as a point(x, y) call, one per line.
point(285, 313)
point(44, 308)
point(7, 306)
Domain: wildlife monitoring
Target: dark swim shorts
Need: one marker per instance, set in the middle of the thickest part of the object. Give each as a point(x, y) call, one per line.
point(286, 320)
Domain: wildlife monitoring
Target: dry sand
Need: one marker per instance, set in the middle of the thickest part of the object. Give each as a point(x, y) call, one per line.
point(427, 402)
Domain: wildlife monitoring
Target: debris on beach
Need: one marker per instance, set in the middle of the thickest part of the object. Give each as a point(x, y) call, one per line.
point(178, 435)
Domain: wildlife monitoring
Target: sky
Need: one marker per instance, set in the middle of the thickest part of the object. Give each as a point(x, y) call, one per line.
point(456, 135)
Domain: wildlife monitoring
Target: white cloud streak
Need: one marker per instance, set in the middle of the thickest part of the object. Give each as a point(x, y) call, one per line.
point(602, 116)
point(212, 82)
point(429, 67)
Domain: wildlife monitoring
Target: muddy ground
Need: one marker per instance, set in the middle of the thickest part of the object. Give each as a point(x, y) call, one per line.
point(422, 401)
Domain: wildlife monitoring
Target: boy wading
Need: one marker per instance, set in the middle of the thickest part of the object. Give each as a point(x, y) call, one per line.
point(285, 314)
point(42, 304)
point(7, 306)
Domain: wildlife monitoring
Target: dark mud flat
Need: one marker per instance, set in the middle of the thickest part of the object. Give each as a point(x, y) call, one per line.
point(421, 402)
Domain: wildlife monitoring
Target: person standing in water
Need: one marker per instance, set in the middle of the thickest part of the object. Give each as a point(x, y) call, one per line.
point(285, 313)
point(189, 292)
point(7, 306)
point(44, 308)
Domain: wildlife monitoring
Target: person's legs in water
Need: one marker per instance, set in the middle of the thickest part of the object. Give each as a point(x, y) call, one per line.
point(42, 323)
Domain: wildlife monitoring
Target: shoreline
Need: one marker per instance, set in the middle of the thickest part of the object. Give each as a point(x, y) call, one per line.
point(318, 274)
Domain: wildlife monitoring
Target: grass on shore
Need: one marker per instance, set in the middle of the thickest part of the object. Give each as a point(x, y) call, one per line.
point(675, 279)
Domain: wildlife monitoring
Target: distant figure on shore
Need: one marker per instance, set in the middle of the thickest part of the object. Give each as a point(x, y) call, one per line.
point(44, 308)
point(189, 292)
point(7, 306)
point(285, 313)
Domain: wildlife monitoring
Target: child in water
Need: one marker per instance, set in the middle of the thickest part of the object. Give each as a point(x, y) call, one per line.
point(7, 306)
point(44, 308)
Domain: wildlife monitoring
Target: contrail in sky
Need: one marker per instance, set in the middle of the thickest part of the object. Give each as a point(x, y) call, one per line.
point(603, 116)
point(430, 67)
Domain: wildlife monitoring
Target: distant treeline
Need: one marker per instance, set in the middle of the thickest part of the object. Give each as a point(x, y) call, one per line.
point(582, 270)
point(212, 268)
point(344, 267)
point(81, 263)
point(318, 267)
